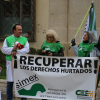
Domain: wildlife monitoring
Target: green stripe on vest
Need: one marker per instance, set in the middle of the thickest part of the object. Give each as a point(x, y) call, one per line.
point(10, 43)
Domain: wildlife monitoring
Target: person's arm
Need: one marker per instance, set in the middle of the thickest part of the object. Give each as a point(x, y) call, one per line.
point(75, 50)
point(8, 50)
point(0, 68)
point(5, 49)
point(74, 47)
point(41, 53)
point(25, 50)
point(60, 53)
point(98, 53)
point(95, 52)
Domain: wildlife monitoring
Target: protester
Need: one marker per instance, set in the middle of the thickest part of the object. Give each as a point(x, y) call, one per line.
point(12, 45)
point(51, 47)
point(87, 48)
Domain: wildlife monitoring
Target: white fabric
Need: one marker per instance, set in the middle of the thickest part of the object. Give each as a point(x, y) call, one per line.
point(7, 50)
point(75, 50)
point(16, 42)
point(9, 71)
point(94, 53)
point(73, 81)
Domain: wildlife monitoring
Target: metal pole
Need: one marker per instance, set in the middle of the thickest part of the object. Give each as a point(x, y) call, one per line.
point(81, 24)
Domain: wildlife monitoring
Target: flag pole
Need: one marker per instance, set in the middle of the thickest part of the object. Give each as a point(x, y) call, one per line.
point(81, 25)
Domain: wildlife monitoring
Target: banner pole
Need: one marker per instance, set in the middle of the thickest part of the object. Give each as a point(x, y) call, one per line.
point(96, 80)
point(13, 69)
point(81, 24)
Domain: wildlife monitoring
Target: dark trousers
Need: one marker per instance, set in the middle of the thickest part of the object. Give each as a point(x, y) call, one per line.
point(10, 91)
point(44, 99)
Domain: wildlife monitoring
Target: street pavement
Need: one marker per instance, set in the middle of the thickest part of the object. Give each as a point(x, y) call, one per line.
point(3, 84)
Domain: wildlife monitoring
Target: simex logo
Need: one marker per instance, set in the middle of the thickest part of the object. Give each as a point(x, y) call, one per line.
point(33, 91)
point(84, 93)
point(34, 88)
point(20, 84)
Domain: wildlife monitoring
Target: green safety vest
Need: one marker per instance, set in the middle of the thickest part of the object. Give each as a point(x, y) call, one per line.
point(85, 49)
point(10, 43)
point(52, 47)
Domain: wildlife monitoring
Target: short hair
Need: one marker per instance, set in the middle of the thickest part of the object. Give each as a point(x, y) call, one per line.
point(14, 27)
point(52, 33)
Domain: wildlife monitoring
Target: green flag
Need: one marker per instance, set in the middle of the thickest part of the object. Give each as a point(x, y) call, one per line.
point(91, 21)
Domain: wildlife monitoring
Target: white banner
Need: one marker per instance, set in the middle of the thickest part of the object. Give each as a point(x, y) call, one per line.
point(62, 78)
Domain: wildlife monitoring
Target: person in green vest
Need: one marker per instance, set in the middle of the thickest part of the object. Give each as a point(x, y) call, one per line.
point(88, 47)
point(52, 46)
point(13, 44)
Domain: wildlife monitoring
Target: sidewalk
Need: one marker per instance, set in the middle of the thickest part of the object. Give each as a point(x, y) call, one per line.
point(3, 91)
point(3, 84)
point(98, 94)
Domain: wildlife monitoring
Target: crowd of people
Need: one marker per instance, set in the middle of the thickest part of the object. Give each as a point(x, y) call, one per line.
point(16, 43)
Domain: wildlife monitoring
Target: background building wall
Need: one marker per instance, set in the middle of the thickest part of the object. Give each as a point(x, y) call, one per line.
point(65, 17)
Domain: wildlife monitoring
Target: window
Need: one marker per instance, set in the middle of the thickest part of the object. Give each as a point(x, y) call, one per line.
point(17, 12)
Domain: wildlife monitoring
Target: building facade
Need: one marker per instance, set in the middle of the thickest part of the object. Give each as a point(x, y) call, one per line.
point(38, 16)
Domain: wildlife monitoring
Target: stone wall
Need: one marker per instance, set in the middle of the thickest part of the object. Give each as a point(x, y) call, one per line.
point(65, 17)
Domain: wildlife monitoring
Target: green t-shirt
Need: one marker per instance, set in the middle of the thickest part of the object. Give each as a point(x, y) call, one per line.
point(52, 47)
point(85, 49)
point(10, 43)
